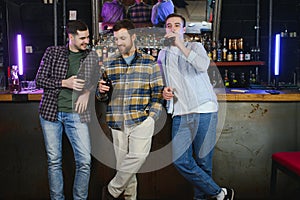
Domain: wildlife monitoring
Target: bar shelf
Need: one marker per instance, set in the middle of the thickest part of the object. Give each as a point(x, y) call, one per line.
point(238, 64)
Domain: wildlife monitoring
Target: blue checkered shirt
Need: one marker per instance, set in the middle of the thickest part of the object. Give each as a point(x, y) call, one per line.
point(137, 90)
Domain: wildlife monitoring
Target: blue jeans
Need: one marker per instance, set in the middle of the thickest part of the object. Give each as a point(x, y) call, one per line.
point(194, 137)
point(78, 136)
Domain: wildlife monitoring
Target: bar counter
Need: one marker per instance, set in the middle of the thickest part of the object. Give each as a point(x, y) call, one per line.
point(253, 126)
point(228, 95)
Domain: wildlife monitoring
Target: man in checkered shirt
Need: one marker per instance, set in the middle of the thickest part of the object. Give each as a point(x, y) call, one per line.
point(66, 74)
point(139, 12)
point(133, 107)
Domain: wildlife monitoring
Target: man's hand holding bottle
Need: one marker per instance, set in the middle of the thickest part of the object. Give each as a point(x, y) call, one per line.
point(168, 93)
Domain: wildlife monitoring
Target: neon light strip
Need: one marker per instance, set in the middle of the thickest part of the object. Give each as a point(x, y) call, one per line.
point(20, 54)
point(277, 55)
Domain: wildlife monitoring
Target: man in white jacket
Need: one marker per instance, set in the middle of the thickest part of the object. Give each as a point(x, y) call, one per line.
point(194, 108)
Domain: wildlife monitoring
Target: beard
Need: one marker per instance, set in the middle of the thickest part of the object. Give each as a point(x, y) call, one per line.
point(81, 47)
point(125, 49)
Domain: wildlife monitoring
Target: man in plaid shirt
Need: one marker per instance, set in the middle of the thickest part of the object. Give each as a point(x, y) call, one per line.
point(133, 107)
point(66, 74)
point(139, 12)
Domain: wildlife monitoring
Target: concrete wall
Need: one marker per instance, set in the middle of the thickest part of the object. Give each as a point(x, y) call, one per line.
point(251, 133)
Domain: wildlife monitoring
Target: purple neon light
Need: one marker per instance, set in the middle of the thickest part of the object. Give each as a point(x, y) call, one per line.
point(20, 54)
point(277, 55)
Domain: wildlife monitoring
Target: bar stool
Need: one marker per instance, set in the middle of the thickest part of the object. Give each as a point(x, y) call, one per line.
point(287, 162)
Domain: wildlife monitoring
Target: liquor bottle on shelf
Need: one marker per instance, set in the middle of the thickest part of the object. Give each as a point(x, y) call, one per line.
point(219, 51)
point(224, 50)
point(229, 52)
point(241, 54)
point(208, 49)
point(247, 54)
point(256, 75)
point(214, 51)
point(255, 53)
point(252, 78)
point(233, 82)
point(242, 82)
point(235, 50)
point(219, 81)
point(226, 79)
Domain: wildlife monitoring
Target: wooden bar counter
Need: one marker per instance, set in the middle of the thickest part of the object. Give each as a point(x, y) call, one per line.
point(223, 95)
point(252, 126)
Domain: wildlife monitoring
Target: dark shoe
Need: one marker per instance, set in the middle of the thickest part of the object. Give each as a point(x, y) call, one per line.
point(229, 195)
point(106, 195)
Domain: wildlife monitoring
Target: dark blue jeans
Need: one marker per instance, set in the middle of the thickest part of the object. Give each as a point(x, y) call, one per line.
point(194, 138)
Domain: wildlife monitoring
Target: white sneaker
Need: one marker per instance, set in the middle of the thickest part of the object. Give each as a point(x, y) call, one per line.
point(229, 193)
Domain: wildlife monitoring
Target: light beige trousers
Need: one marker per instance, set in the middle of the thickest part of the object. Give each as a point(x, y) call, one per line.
point(132, 146)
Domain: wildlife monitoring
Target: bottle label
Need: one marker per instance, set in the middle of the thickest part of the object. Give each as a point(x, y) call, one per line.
point(247, 56)
point(229, 57)
point(241, 57)
point(235, 56)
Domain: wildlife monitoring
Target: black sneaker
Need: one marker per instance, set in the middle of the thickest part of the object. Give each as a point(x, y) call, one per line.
point(229, 195)
point(106, 195)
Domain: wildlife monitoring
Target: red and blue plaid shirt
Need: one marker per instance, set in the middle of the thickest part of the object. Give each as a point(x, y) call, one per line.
point(139, 13)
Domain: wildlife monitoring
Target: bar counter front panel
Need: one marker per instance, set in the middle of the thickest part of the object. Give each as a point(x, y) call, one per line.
point(256, 125)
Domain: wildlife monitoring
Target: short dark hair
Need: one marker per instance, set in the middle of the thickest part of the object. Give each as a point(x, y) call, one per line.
point(125, 23)
point(77, 25)
point(176, 15)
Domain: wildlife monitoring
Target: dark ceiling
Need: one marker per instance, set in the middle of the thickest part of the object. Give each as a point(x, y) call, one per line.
point(20, 2)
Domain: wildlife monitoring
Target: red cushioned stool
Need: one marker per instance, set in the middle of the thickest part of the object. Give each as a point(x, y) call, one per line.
point(287, 162)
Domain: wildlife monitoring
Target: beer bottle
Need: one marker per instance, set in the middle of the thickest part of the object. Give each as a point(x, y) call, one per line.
point(106, 96)
point(106, 79)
